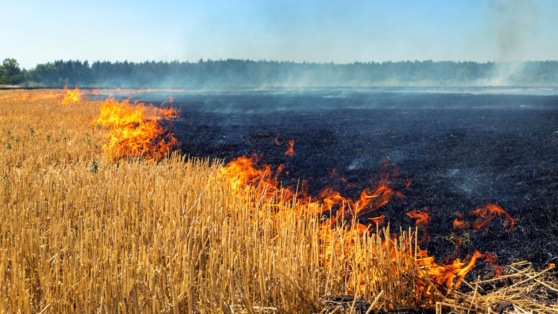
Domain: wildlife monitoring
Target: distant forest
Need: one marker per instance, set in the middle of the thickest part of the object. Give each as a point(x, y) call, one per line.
point(251, 74)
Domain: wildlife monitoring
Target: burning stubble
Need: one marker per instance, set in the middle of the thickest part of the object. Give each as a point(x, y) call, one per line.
point(136, 130)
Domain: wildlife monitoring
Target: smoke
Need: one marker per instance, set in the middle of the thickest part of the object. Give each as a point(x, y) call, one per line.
point(513, 23)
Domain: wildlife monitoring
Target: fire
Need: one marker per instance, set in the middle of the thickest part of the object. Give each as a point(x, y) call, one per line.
point(242, 171)
point(290, 151)
point(373, 200)
point(421, 222)
point(66, 95)
point(450, 275)
point(459, 223)
point(277, 140)
point(71, 96)
point(136, 129)
point(343, 212)
point(491, 260)
point(422, 217)
point(377, 220)
point(41, 95)
point(484, 215)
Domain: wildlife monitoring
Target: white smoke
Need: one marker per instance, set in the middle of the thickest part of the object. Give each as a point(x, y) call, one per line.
point(514, 23)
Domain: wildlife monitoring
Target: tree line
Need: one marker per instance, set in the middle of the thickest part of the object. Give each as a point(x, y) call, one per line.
point(10, 73)
point(233, 73)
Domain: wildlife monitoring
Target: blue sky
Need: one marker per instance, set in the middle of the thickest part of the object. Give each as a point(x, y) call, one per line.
point(292, 30)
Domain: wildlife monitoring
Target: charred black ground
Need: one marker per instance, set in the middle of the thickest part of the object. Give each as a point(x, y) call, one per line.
point(459, 151)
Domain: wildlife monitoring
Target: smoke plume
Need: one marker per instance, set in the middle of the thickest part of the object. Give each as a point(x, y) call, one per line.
point(514, 24)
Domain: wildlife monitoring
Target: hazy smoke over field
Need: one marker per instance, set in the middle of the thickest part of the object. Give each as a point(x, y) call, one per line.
point(514, 24)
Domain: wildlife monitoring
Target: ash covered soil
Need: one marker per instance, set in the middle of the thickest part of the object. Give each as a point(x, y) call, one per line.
point(459, 151)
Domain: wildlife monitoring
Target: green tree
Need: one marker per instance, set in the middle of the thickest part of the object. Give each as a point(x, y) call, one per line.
point(10, 73)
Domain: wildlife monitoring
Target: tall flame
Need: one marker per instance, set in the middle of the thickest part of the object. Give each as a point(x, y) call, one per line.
point(136, 129)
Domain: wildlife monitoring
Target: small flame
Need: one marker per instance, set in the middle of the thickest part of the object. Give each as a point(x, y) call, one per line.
point(67, 96)
point(378, 220)
point(371, 201)
point(422, 217)
point(290, 151)
point(459, 223)
point(447, 274)
point(484, 215)
point(277, 140)
point(71, 96)
point(421, 222)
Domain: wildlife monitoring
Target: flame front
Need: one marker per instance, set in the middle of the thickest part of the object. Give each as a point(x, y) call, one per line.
point(136, 129)
point(342, 212)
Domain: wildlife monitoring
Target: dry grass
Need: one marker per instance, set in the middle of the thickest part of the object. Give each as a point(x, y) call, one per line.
point(81, 233)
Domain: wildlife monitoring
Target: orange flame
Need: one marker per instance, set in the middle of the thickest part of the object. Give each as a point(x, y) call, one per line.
point(67, 96)
point(277, 140)
point(71, 96)
point(484, 215)
point(422, 217)
point(459, 223)
point(290, 151)
point(421, 222)
point(371, 201)
point(136, 130)
point(378, 220)
point(447, 274)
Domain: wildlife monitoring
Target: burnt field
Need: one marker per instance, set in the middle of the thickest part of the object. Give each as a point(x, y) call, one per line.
point(458, 151)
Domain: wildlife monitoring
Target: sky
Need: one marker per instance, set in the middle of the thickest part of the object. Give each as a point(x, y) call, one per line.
point(345, 31)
